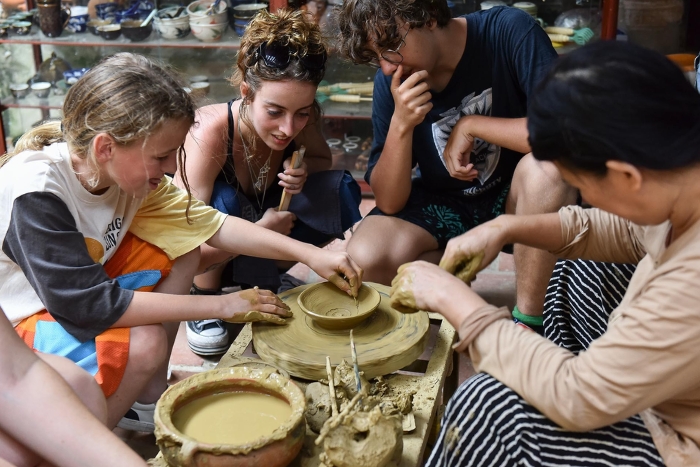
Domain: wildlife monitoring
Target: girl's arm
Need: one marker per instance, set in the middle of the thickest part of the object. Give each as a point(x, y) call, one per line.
point(41, 412)
point(241, 237)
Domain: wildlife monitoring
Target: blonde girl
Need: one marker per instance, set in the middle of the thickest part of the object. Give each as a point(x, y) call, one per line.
point(89, 222)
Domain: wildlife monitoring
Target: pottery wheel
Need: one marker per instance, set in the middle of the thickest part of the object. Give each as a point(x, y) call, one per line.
point(386, 341)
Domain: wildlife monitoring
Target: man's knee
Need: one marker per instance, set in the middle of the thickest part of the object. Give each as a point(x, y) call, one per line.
point(537, 186)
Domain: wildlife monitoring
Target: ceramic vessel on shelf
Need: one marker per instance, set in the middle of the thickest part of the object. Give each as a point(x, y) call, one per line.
point(41, 89)
point(276, 449)
point(78, 19)
point(93, 24)
point(172, 23)
point(197, 11)
point(133, 30)
point(248, 10)
point(198, 78)
point(110, 32)
point(21, 28)
point(200, 88)
point(331, 308)
point(239, 25)
point(19, 90)
point(107, 10)
point(72, 76)
point(209, 32)
point(4, 28)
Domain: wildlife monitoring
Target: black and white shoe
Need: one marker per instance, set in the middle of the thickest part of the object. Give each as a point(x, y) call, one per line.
point(139, 418)
point(207, 337)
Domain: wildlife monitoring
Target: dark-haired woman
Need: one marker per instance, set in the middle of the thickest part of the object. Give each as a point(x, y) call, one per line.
point(239, 155)
point(622, 124)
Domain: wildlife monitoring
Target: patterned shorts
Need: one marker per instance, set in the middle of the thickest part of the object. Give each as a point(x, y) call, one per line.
point(445, 215)
point(136, 265)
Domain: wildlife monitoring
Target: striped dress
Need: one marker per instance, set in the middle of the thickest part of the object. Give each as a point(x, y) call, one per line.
point(488, 424)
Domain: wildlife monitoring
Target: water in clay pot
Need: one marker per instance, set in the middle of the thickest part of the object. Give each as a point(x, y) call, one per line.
point(231, 417)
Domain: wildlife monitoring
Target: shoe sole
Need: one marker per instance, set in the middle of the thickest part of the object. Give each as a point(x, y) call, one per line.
point(133, 425)
point(207, 351)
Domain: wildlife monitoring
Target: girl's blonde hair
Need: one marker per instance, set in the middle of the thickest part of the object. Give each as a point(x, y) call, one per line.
point(125, 96)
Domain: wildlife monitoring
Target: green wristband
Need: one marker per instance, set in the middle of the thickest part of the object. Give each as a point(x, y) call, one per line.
point(527, 319)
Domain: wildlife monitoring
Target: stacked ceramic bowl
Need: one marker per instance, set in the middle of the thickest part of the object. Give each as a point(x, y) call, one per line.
point(243, 14)
point(208, 20)
point(172, 23)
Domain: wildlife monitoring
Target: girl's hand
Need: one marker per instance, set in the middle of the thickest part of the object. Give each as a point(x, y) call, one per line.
point(252, 305)
point(292, 180)
point(424, 286)
point(472, 251)
point(280, 222)
point(339, 269)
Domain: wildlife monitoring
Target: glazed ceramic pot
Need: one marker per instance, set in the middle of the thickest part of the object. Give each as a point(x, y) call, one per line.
point(93, 24)
point(275, 450)
point(133, 30)
point(19, 90)
point(21, 28)
point(209, 32)
point(41, 89)
point(53, 18)
point(109, 32)
point(78, 19)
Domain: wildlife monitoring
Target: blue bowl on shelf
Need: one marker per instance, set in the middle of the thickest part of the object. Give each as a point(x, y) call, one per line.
point(72, 76)
point(239, 25)
point(107, 10)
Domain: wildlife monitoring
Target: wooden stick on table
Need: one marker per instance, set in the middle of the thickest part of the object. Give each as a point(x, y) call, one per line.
point(297, 159)
point(331, 387)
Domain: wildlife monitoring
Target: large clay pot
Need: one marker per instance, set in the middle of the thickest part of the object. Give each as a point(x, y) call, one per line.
point(275, 450)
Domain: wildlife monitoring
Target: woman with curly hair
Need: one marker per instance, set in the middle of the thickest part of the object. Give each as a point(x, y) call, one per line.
point(236, 149)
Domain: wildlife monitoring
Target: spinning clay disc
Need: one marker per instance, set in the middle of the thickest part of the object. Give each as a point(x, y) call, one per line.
point(386, 341)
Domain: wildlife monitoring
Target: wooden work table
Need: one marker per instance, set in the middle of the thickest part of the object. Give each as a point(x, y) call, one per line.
point(433, 378)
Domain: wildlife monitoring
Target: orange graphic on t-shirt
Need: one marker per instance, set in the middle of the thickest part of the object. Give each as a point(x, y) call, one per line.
point(95, 249)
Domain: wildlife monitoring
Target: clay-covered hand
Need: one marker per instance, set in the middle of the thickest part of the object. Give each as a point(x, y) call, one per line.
point(292, 180)
point(411, 98)
point(280, 222)
point(420, 285)
point(472, 251)
point(458, 152)
point(252, 305)
point(339, 268)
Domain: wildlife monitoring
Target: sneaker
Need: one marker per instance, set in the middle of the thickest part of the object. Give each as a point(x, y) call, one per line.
point(207, 337)
point(139, 418)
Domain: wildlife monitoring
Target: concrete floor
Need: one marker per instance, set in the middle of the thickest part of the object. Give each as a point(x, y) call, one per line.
point(496, 284)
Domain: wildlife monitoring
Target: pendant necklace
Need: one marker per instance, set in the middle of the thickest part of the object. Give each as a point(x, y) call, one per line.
point(259, 181)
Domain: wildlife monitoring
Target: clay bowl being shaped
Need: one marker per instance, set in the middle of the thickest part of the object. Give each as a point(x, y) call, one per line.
point(209, 32)
point(93, 24)
point(21, 28)
point(260, 413)
point(248, 10)
point(197, 11)
point(110, 32)
point(133, 30)
point(331, 308)
point(41, 89)
point(19, 90)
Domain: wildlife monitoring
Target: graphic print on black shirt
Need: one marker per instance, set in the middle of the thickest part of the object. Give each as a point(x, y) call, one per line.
point(484, 155)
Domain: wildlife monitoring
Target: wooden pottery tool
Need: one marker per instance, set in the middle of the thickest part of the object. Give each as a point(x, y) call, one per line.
point(356, 367)
point(354, 98)
point(297, 159)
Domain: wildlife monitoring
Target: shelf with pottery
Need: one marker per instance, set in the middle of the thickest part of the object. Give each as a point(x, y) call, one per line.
point(229, 40)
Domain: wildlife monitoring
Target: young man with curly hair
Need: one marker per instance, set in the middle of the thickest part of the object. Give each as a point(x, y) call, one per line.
point(450, 99)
